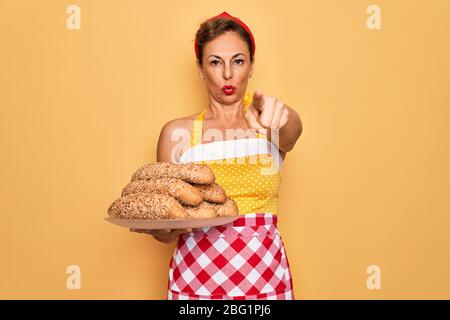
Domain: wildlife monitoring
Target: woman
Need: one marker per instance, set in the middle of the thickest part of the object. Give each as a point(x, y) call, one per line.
point(245, 259)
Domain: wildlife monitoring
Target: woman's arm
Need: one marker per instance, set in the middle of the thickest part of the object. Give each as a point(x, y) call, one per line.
point(173, 140)
point(289, 134)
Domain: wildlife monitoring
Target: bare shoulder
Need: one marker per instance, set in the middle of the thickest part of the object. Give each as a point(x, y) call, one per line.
point(181, 123)
point(174, 138)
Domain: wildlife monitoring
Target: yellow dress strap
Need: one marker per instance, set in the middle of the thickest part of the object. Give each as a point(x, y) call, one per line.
point(196, 135)
point(247, 103)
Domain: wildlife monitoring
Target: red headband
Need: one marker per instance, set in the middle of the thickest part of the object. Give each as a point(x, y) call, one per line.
point(226, 15)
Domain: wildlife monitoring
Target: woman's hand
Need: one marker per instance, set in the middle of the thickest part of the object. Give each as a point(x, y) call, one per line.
point(165, 235)
point(266, 112)
point(271, 117)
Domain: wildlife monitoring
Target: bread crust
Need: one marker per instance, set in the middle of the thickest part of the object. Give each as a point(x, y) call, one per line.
point(189, 172)
point(212, 193)
point(179, 189)
point(147, 206)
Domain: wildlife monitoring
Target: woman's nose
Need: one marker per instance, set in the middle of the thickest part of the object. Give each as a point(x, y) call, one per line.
point(228, 71)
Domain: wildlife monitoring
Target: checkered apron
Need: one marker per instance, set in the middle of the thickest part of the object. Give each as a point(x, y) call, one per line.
point(244, 259)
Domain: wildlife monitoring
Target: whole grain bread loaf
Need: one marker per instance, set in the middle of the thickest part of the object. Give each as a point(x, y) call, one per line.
point(147, 206)
point(192, 173)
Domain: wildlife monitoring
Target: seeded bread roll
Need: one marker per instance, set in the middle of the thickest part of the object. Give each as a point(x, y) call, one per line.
point(147, 206)
point(212, 192)
point(180, 190)
point(189, 172)
point(228, 209)
point(204, 210)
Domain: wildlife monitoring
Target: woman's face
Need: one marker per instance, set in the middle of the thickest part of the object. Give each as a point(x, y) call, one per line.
point(226, 62)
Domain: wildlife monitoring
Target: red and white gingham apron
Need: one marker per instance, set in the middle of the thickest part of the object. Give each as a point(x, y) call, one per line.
point(244, 259)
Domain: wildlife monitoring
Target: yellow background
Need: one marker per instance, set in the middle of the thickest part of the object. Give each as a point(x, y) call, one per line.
point(368, 183)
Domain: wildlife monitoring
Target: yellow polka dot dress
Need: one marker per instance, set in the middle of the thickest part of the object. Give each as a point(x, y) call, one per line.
point(249, 169)
point(244, 259)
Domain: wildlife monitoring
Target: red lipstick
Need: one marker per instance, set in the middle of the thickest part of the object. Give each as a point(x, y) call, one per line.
point(229, 90)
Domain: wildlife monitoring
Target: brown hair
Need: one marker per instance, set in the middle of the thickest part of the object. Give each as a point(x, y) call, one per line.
point(209, 30)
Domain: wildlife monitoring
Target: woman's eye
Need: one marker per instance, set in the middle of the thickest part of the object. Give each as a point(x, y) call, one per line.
point(217, 62)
